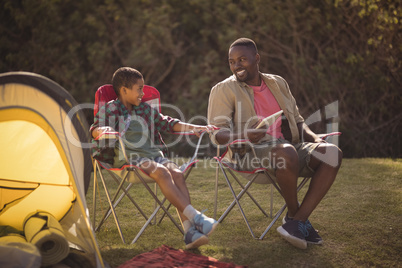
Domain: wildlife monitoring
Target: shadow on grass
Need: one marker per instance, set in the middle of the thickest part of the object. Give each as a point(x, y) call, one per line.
point(359, 220)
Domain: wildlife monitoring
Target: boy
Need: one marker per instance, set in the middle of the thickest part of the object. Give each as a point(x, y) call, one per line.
point(139, 124)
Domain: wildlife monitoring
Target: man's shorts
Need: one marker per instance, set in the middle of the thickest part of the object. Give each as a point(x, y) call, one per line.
point(246, 161)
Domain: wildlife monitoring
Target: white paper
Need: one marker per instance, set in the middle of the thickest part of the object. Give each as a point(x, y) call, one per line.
point(268, 121)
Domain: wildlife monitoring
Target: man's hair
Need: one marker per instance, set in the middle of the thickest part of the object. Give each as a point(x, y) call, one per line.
point(125, 77)
point(247, 42)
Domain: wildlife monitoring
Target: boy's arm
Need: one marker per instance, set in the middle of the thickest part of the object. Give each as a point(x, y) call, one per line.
point(102, 120)
point(99, 130)
point(197, 129)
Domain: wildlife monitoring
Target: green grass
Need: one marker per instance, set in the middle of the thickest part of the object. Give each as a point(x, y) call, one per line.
point(359, 219)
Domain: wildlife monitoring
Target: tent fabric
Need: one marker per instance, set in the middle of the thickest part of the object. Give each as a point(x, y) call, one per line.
point(45, 162)
point(165, 257)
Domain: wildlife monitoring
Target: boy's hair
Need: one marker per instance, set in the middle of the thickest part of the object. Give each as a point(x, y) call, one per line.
point(125, 77)
point(247, 42)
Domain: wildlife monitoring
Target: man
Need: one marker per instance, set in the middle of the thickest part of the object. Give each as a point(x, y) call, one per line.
point(289, 148)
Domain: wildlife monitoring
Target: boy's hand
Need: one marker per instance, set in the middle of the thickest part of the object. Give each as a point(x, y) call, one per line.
point(106, 129)
point(198, 130)
point(102, 130)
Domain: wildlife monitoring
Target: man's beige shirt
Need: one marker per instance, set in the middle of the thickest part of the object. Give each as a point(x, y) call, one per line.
point(231, 105)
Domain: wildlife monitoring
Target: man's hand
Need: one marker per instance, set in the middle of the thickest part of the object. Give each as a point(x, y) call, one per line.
point(255, 135)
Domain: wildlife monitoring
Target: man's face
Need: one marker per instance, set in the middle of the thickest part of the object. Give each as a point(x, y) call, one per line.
point(243, 62)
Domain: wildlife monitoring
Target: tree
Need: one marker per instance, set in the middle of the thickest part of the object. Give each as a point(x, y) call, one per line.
point(344, 50)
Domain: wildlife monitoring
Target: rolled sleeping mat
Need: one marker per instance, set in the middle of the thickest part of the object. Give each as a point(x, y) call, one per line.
point(15, 251)
point(46, 233)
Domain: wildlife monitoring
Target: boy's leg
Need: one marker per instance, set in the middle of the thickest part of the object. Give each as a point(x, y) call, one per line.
point(203, 223)
point(164, 179)
point(178, 179)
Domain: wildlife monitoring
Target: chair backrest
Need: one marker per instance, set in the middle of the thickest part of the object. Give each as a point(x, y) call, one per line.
point(106, 93)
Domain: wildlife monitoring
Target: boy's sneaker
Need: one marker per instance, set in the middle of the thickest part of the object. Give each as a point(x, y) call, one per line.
point(294, 232)
point(205, 224)
point(313, 237)
point(194, 239)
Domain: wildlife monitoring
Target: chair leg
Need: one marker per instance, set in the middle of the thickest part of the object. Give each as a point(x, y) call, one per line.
point(251, 197)
point(112, 208)
point(159, 202)
point(277, 215)
point(114, 202)
point(301, 185)
point(216, 192)
point(245, 190)
point(271, 208)
point(147, 223)
point(95, 184)
point(236, 201)
point(156, 205)
point(239, 196)
point(125, 193)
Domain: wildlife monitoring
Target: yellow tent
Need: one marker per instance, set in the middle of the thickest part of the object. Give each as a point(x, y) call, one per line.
point(45, 163)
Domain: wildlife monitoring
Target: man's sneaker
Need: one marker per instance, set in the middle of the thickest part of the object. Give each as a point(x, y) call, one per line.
point(313, 237)
point(194, 239)
point(286, 218)
point(205, 224)
point(294, 232)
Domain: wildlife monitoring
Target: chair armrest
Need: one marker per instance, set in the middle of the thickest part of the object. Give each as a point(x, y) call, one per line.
point(240, 141)
point(197, 147)
point(108, 135)
point(326, 135)
point(114, 136)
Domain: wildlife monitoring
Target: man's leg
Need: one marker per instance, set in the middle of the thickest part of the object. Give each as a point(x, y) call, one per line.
point(285, 161)
point(287, 172)
point(325, 161)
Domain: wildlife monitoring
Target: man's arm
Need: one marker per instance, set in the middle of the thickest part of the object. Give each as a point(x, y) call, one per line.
point(307, 135)
point(225, 136)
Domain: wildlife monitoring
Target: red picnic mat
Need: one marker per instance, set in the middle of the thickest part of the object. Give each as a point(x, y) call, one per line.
point(166, 257)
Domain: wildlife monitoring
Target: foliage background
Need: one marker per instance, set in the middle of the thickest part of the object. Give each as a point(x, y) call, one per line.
point(328, 50)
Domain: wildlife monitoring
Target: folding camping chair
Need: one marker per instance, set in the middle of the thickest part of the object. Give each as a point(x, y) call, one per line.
point(259, 176)
point(130, 175)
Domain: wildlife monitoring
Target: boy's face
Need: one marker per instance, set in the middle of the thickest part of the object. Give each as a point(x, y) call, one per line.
point(134, 94)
